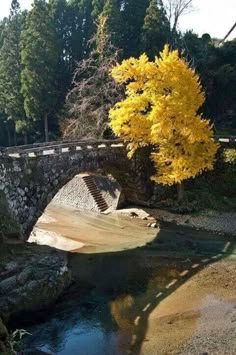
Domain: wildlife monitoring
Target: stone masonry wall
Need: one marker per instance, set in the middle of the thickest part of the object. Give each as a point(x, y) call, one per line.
point(75, 193)
point(110, 190)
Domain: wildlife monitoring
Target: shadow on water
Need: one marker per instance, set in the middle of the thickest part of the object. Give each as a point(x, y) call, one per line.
point(119, 290)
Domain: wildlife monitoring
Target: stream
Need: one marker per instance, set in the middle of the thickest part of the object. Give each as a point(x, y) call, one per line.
point(136, 290)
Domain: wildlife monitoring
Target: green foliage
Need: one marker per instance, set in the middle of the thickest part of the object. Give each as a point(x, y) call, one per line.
point(230, 156)
point(11, 100)
point(97, 7)
point(59, 12)
point(39, 59)
point(216, 191)
point(113, 24)
point(216, 66)
point(132, 18)
point(156, 28)
point(75, 28)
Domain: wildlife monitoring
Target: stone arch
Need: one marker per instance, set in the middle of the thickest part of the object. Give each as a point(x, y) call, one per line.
point(30, 178)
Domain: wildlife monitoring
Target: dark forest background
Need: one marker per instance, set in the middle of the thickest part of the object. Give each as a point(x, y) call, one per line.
point(55, 61)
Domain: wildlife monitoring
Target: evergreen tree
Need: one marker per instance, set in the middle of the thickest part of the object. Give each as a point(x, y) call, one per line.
point(111, 11)
point(156, 28)
point(82, 29)
point(59, 12)
point(3, 118)
point(133, 13)
point(39, 59)
point(75, 39)
point(88, 27)
point(97, 7)
point(10, 71)
point(3, 24)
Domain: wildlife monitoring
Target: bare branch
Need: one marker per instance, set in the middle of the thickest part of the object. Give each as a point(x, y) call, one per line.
point(175, 9)
point(93, 93)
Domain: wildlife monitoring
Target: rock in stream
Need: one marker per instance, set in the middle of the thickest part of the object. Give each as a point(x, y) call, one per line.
point(32, 277)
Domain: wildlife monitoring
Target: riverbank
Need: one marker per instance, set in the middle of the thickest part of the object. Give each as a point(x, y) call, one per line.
point(212, 221)
point(199, 317)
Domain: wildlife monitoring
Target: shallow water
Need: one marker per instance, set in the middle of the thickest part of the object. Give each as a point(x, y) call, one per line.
point(135, 301)
point(98, 314)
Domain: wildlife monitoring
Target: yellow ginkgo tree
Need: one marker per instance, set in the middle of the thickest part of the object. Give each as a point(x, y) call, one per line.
point(161, 109)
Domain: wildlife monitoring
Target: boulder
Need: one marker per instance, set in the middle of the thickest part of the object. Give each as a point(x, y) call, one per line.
point(32, 279)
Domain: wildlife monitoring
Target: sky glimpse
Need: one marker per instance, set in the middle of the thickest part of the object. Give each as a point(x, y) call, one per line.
point(209, 16)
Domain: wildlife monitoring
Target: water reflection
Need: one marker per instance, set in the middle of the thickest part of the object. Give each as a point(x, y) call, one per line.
point(120, 310)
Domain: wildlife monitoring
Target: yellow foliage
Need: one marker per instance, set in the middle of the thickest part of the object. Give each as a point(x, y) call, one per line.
point(230, 155)
point(161, 109)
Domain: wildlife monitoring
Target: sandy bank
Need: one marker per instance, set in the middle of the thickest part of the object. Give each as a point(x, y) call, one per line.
point(82, 231)
point(199, 317)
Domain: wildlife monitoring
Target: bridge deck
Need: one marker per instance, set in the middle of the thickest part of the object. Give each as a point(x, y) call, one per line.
point(50, 148)
point(59, 147)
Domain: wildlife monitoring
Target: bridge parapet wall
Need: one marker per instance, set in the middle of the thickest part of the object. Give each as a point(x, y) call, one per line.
point(56, 147)
point(226, 141)
point(51, 148)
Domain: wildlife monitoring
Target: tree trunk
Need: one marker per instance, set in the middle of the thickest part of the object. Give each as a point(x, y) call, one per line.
point(180, 191)
point(8, 135)
point(25, 138)
point(46, 127)
point(15, 137)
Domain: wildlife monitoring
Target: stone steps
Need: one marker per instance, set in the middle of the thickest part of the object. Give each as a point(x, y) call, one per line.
point(95, 193)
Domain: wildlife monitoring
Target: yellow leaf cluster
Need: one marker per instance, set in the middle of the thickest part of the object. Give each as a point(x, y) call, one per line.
point(161, 109)
point(230, 156)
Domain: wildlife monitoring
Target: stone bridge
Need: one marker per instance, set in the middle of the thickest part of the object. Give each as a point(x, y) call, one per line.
point(31, 175)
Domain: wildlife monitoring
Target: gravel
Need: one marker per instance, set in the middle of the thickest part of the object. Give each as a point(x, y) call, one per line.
point(218, 222)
